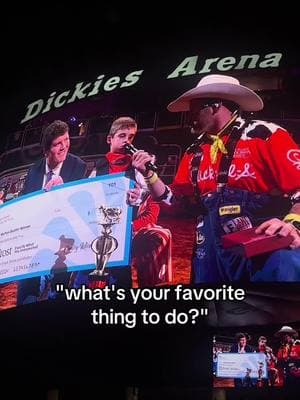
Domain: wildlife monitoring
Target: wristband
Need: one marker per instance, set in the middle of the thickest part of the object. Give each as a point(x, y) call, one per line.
point(148, 177)
point(153, 178)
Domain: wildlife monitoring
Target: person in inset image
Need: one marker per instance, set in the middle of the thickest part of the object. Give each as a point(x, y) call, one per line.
point(288, 355)
point(271, 362)
point(239, 173)
point(241, 346)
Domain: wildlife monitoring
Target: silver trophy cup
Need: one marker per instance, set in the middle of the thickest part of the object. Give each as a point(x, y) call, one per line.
point(105, 244)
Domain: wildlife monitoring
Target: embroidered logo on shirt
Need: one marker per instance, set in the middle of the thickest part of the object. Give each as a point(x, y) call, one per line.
point(237, 174)
point(242, 153)
point(294, 157)
point(200, 238)
point(200, 253)
point(234, 172)
point(237, 224)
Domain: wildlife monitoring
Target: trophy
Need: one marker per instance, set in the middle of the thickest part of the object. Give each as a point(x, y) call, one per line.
point(103, 246)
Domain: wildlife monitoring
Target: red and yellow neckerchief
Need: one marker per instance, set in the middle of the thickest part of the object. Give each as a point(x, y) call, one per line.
point(218, 144)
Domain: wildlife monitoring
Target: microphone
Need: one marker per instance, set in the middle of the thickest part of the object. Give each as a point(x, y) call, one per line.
point(129, 149)
point(194, 146)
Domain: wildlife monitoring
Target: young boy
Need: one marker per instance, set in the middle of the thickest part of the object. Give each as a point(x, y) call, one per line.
point(151, 246)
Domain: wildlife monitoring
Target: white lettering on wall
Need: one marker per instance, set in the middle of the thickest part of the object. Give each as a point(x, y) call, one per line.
point(81, 91)
point(189, 65)
point(186, 67)
point(33, 109)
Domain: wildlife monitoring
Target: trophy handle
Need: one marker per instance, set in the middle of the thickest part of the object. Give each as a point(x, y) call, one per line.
point(103, 246)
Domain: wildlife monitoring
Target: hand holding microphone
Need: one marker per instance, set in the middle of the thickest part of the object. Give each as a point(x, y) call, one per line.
point(143, 162)
point(148, 165)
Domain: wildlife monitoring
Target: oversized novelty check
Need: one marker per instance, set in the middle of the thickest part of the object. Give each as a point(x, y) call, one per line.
point(43, 230)
point(242, 365)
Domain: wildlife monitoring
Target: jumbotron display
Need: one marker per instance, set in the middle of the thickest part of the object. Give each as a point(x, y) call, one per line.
point(209, 195)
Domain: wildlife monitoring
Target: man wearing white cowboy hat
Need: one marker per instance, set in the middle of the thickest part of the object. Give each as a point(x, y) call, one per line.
point(286, 331)
point(288, 356)
point(237, 170)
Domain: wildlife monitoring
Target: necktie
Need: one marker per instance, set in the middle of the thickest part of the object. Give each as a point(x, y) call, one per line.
point(45, 280)
point(49, 176)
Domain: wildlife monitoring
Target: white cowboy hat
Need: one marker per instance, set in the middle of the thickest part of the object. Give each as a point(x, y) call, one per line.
point(219, 87)
point(286, 330)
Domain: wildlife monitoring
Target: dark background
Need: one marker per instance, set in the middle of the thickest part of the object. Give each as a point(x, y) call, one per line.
point(55, 345)
point(54, 46)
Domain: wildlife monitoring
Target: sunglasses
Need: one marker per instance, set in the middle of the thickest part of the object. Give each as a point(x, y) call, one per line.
point(200, 104)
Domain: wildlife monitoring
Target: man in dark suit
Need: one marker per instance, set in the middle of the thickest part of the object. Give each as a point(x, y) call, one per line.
point(57, 167)
point(241, 347)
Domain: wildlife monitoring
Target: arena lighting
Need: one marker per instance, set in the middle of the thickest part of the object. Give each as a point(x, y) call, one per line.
point(72, 120)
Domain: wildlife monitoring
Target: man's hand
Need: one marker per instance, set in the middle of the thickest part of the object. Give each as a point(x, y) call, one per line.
point(281, 228)
point(55, 181)
point(139, 161)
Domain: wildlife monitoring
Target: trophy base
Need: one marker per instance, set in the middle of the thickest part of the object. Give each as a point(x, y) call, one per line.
point(98, 275)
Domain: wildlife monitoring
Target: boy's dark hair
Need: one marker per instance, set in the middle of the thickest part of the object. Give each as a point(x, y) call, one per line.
point(121, 123)
point(262, 338)
point(54, 130)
